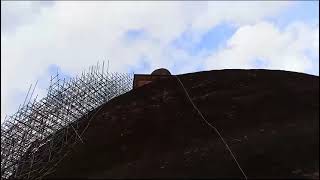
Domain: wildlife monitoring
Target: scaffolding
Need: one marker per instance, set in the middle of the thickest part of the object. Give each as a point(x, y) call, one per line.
point(41, 133)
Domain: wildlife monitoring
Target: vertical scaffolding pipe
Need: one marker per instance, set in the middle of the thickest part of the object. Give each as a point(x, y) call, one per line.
point(38, 123)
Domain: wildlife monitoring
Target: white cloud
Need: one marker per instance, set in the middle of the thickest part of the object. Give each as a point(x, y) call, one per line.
point(15, 14)
point(315, 42)
point(236, 13)
point(279, 49)
point(75, 35)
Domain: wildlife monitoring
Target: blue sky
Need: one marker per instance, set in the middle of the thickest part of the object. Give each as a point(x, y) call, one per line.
point(37, 38)
point(306, 11)
point(211, 40)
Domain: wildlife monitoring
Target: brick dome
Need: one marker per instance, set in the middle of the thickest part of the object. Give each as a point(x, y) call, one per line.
point(161, 71)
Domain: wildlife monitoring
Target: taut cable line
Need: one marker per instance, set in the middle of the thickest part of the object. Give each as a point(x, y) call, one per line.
point(209, 124)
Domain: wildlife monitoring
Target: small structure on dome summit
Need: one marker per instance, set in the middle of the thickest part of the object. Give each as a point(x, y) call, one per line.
point(142, 79)
point(161, 71)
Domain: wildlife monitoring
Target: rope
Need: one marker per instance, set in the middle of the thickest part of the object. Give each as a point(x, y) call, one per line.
point(50, 170)
point(89, 121)
point(77, 134)
point(215, 129)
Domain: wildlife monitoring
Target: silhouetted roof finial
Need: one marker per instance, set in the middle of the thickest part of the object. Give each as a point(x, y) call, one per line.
point(161, 71)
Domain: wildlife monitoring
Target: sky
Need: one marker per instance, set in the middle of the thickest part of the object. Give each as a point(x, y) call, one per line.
point(40, 37)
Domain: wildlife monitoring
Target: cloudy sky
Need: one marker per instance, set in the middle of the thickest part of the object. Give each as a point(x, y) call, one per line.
point(37, 38)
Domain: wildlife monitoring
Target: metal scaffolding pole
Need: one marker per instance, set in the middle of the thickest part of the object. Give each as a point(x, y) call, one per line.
point(36, 138)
